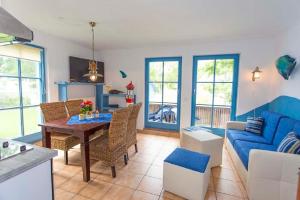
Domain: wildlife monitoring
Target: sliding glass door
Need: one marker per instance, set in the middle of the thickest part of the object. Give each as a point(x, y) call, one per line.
point(214, 97)
point(162, 83)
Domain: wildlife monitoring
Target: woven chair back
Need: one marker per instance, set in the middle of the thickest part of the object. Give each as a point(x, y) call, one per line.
point(132, 122)
point(54, 111)
point(73, 106)
point(118, 128)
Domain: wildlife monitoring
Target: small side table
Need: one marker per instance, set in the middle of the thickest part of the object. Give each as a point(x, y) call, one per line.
point(203, 142)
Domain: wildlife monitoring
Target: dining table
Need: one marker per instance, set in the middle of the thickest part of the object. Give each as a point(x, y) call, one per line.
point(81, 131)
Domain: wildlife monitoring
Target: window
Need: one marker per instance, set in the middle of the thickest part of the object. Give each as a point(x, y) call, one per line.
point(214, 90)
point(163, 80)
point(21, 90)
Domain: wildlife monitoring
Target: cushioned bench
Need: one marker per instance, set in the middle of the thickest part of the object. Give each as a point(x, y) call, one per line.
point(186, 173)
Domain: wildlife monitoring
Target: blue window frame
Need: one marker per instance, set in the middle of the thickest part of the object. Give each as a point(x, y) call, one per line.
point(214, 94)
point(22, 83)
point(163, 92)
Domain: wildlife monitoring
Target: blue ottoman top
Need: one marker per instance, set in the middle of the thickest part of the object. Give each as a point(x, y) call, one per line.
point(188, 159)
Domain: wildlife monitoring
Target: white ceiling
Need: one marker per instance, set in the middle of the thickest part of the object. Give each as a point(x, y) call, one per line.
point(139, 23)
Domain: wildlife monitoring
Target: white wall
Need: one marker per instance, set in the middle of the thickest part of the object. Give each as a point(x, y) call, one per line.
point(57, 52)
point(289, 43)
point(253, 52)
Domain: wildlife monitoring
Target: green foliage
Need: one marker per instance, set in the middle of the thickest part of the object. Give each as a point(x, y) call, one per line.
point(9, 66)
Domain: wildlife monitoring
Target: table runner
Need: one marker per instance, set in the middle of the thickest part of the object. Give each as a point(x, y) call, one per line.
point(103, 117)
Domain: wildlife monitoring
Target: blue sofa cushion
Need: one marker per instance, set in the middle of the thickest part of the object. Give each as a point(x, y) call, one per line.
point(234, 135)
point(188, 159)
point(270, 124)
point(297, 129)
point(243, 149)
point(285, 126)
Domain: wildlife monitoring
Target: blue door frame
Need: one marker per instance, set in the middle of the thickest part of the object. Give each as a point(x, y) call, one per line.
point(236, 58)
point(160, 125)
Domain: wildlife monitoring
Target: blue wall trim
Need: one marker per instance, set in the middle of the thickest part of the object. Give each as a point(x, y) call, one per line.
point(286, 105)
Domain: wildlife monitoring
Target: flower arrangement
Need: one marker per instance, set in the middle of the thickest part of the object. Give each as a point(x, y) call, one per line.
point(86, 107)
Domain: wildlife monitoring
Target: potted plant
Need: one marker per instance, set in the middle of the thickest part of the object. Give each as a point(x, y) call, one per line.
point(86, 110)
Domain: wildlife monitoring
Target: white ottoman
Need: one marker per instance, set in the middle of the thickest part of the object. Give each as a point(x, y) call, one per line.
point(203, 142)
point(186, 173)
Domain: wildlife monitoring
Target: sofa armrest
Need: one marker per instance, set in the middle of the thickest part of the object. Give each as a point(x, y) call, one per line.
point(272, 175)
point(236, 125)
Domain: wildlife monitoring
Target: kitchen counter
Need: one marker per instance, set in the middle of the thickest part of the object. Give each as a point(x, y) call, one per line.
point(18, 164)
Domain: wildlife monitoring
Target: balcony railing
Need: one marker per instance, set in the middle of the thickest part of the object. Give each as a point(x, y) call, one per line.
point(203, 115)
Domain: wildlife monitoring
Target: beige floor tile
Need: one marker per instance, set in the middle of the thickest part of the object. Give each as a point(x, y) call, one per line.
point(168, 195)
point(210, 195)
point(151, 185)
point(117, 192)
point(139, 195)
point(95, 189)
point(75, 184)
point(228, 174)
point(144, 158)
point(63, 195)
point(131, 180)
point(228, 187)
point(135, 167)
point(58, 180)
point(221, 196)
point(79, 197)
point(211, 186)
point(155, 171)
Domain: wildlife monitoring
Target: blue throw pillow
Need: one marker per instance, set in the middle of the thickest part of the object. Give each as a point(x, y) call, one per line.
point(255, 125)
point(290, 144)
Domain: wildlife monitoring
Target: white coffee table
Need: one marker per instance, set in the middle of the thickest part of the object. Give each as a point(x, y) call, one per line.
point(203, 141)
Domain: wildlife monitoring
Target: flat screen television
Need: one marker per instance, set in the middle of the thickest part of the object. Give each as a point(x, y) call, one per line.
point(80, 66)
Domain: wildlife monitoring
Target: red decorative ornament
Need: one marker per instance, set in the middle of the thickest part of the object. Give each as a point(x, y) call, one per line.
point(130, 93)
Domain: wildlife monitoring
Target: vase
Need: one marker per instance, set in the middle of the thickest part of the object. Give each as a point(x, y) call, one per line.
point(81, 116)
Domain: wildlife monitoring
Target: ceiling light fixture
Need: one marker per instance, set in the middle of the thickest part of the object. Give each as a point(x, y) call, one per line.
point(93, 74)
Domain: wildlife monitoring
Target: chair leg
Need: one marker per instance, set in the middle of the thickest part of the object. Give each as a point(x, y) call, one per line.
point(66, 157)
point(125, 159)
point(113, 171)
point(136, 148)
point(127, 156)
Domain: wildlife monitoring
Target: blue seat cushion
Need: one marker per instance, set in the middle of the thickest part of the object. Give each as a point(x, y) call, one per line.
point(270, 124)
point(188, 159)
point(285, 126)
point(235, 135)
point(243, 148)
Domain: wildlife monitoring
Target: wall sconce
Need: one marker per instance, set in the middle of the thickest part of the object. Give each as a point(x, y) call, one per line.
point(256, 74)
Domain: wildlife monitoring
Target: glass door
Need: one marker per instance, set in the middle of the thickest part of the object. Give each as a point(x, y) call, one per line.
point(214, 91)
point(163, 82)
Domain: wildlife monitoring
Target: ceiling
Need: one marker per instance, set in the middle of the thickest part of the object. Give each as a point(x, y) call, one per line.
point(140, 23)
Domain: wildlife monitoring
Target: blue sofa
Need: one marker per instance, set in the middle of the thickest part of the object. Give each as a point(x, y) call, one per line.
point(266, 173)
point(276, 127)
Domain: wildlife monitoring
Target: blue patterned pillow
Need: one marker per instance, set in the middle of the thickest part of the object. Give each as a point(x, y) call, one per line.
point(255, 125)
point(290, 144)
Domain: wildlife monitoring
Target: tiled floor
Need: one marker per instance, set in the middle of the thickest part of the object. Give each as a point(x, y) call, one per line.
point(141, 179)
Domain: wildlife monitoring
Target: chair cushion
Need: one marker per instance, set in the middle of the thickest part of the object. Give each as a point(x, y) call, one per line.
point(255, 125)
point(285, 126)
point(270, 124)
point(243, 149)
point(234, 135)
point(290, 144)
point(188, 159)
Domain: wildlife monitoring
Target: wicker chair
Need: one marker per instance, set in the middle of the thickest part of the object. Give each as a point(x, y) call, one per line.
point(64, 142)
point(110, 147)
point(131, 128)
point(73, 106)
